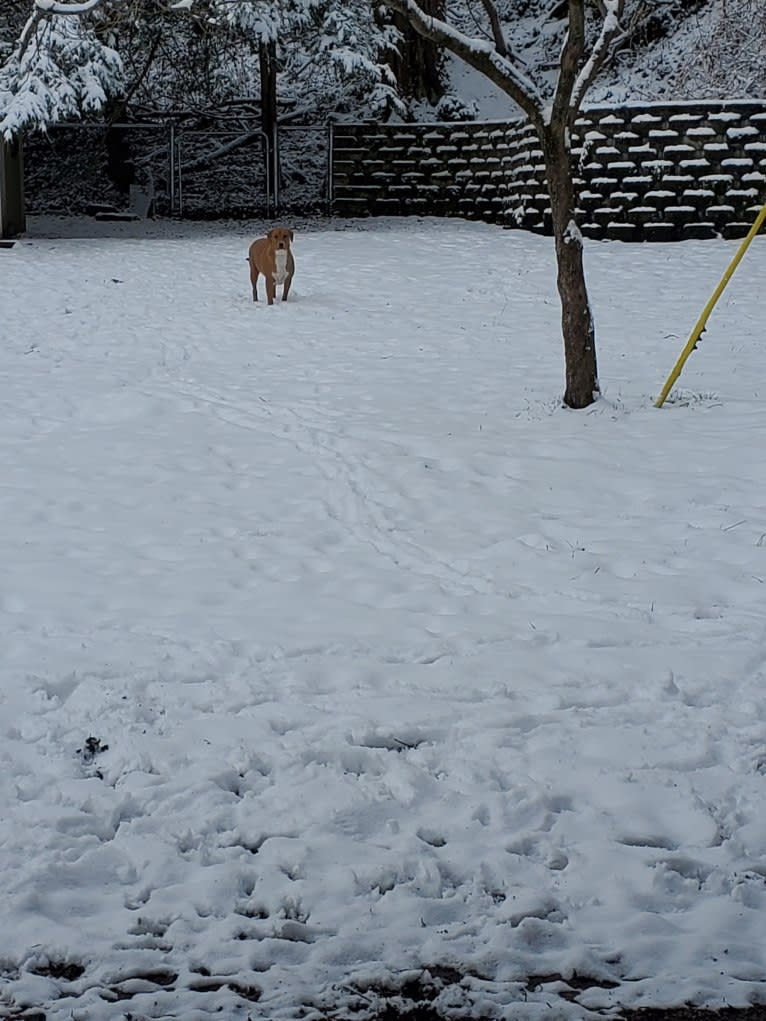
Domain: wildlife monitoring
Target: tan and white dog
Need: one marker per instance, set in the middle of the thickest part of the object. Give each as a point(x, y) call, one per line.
point(272, 257)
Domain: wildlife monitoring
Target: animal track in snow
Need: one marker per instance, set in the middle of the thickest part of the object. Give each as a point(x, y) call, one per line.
point(431, 837)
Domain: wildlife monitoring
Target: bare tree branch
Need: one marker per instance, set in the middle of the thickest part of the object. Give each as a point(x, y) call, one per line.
point(610, 32)
point(571, 58)
point(28, 31)
point(497, 29)
point(504, 71)
point(138, 80)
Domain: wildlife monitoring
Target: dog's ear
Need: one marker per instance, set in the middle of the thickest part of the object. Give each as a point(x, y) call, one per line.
point(292, 235)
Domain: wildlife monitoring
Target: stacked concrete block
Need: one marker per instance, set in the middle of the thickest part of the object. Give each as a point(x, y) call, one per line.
point(655, 172)
point(436, 169)
point(686, 172)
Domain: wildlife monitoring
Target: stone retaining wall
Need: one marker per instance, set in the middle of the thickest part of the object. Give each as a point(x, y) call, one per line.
point(647, 173)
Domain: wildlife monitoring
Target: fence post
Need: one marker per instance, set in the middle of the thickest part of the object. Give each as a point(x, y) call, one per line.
point(12, 216)
point(267, 166)
point(275, 168)
point(179, 167)
point(330, 160)
point(172, 166)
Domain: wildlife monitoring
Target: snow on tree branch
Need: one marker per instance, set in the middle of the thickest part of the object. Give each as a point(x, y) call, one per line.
point(482, 55)
point(340, 34)
point(48, 7)
point(61, 70)
point(59, 7)
point(610, 31)
point(571, 57)
point(63, 67)
point(501, 44)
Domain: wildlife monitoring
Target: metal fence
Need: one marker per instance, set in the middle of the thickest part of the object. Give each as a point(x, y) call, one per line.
point(83, 167)
point(178, 170)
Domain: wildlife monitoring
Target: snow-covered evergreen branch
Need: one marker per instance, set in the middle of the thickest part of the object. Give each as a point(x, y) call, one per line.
point(63, 66)
point(62, 7)
point(61, 70)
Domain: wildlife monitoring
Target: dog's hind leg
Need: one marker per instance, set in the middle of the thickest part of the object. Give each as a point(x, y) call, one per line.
point(254, 279)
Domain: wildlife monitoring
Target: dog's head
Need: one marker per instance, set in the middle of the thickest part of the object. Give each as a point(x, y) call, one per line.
point(280, 238)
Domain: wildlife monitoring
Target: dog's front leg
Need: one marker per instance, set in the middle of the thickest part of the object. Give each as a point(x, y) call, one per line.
point(289, 275)
point(271, 290)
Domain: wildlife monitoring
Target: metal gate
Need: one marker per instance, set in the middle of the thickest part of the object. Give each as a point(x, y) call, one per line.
point(180, 170)
point(215, 174)
point(304, 182)
point(292, 176)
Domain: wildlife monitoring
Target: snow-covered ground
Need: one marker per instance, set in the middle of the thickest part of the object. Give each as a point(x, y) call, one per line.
point(337, 657)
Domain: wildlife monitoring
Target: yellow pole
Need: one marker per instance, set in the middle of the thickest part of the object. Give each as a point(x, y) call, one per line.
point(699, 329)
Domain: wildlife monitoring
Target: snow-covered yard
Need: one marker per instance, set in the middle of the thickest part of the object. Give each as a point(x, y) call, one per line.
point(334, 650)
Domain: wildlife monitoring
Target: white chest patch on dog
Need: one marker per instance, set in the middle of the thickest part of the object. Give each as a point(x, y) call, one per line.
point(280, 267)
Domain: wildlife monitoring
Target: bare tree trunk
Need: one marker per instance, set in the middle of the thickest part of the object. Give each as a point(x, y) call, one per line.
point(577, 70)
point(120, 168)
point(267, 54)
point(418, 64)
point(576, 318)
